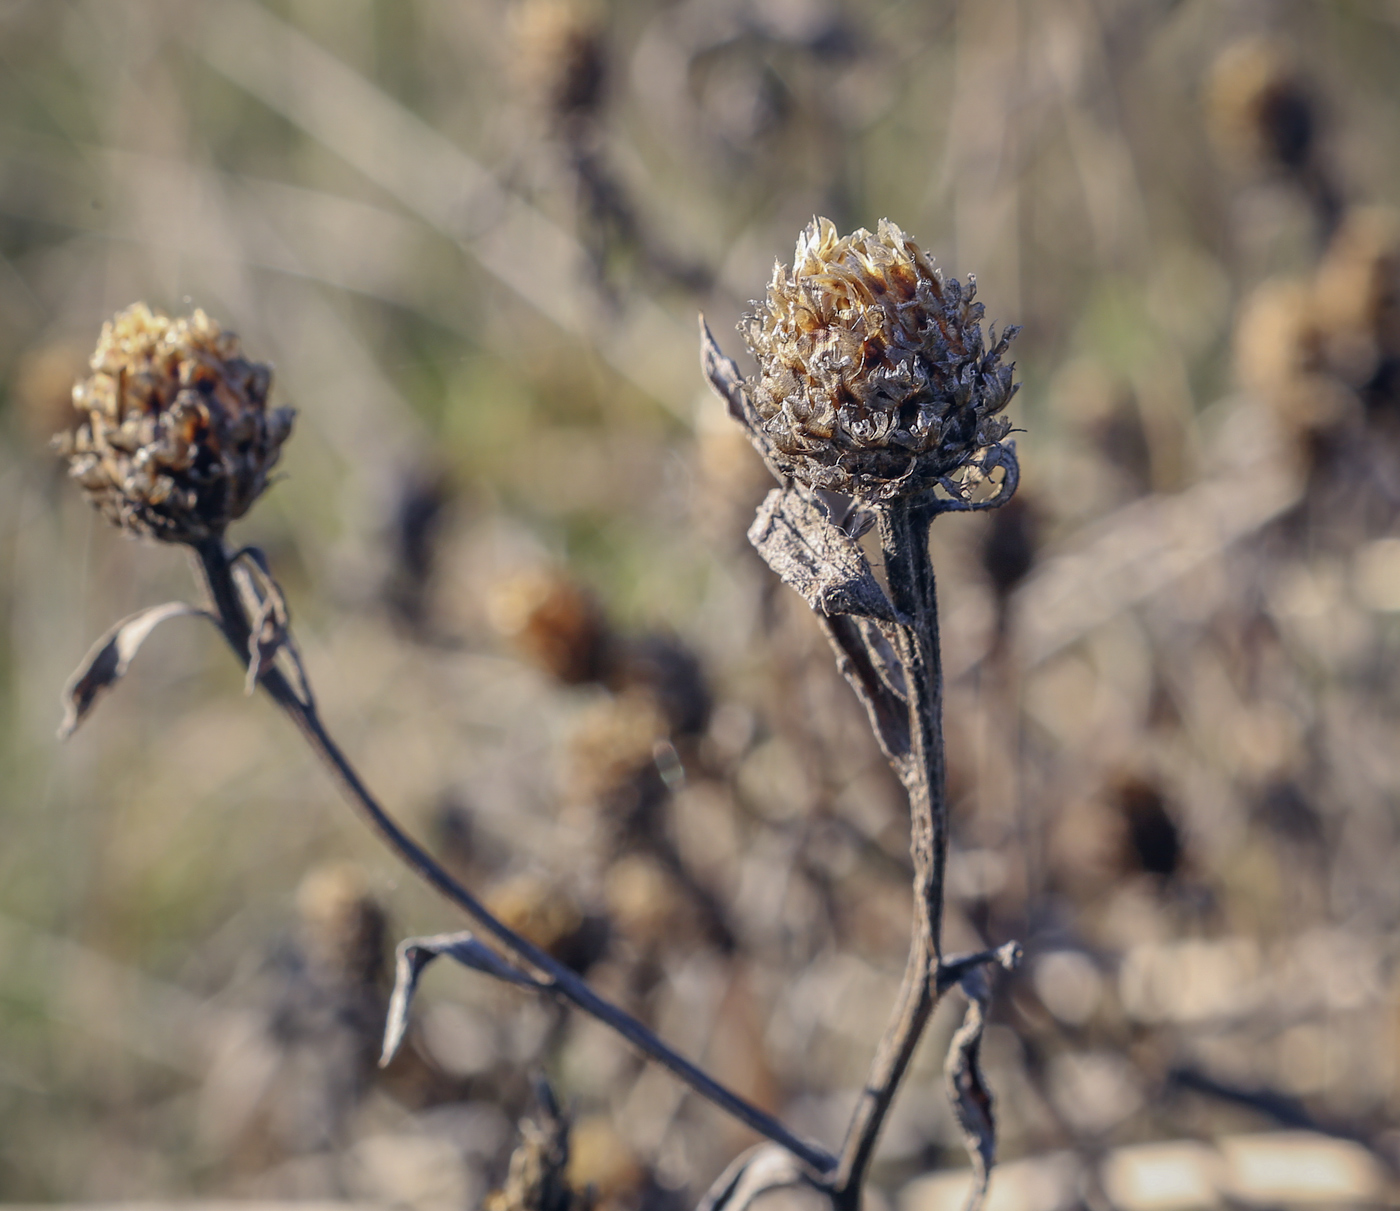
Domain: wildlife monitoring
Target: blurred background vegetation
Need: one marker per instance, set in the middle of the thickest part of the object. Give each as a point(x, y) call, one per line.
point(472, 237)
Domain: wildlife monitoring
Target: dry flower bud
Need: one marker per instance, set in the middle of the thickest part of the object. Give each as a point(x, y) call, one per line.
point(537, 909)
point(1280, 354)
point(613, 743)
point(342, 924)
point(874, 378)
point(554, 622)
point(1259, 106)
point(175, 439)
point(536, 1178)
point(1358, 292)
point(560, 55)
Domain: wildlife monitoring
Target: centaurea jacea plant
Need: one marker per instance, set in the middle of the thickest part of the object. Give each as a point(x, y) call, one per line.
point(878, 403)
point(875, 382)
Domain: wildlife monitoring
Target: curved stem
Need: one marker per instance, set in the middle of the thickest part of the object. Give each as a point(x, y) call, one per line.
point(216, 571)
point(909, 569)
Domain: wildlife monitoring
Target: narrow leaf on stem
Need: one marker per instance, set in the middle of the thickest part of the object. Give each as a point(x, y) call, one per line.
point(109, 658)
point(414, 954)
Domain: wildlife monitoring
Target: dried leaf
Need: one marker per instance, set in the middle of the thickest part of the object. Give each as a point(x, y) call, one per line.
point(109, 658)
point(816, 557)
point(414, 954)
point(270, 628)
point(972, 1100)
point(753, 1173)
point(722, 373)
point(267, 637)
point(724, 378)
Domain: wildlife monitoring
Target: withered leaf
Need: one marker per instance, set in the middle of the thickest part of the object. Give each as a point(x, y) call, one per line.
point(723, 375)
point(414, 954)
point(761, 1169)
point(816, 557)
point(972, 1099)
point(109, 658)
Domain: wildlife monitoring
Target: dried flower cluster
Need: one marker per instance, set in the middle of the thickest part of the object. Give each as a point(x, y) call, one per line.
point(874, 378)
point(1324, 350)
point(176, 439)
point(1259, 106)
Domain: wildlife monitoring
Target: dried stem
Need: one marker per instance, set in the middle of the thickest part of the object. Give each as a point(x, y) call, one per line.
point(216, 569)
point(904, 530)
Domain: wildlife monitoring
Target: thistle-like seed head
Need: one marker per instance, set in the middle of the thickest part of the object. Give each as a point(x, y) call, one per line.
point(874, 378)
point(175, 439)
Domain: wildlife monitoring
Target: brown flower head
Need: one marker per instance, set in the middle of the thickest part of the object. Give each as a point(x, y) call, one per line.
point(874, 379)
point(1259, 106)
point(175, 439)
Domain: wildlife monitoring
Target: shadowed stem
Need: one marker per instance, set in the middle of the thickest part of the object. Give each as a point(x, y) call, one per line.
point(904, 531)
point(215, 567)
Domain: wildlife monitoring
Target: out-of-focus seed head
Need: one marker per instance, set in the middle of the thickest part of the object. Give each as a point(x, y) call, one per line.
point(1259, 107)
point(536, 1179)
point(560, 56)
point(1358, 293)
point(554, 622)
point(614, 744)
point(175, 438)
point(874, 378)
point(602, 1161)
point(642, 899)
point(342, 925)
point(1280, 355)
point(538, 909)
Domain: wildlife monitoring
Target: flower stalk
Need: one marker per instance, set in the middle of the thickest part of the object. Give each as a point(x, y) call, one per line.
point(875, 382)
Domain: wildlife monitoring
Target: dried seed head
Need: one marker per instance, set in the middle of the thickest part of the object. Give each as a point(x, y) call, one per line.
point(560, 55)
point(175, 439)
point(600, 1159)
point(538, 909)
point(1259, 107)
point(342, 924)
point(1358, 293)
point(874, 379)
point(642, 900)
point(555, 622)
point(613, 745)
point(1278, 353)
point(536, 1178)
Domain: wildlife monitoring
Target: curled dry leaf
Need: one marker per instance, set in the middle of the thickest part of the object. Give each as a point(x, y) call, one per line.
point(816, 557)
point(109, 658)
point(414, 954)
point(972, 1099)
point(758, 1171)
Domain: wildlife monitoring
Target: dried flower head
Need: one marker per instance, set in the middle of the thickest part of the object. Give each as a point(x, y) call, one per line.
point(342, 924)
point(175, 439)
point(560, 55)
point(614, 743)
point(555, 622)
point(1358, 293)
point(1259, 106)
point(536, 1179)
point(538, 909)
point(874, 379)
